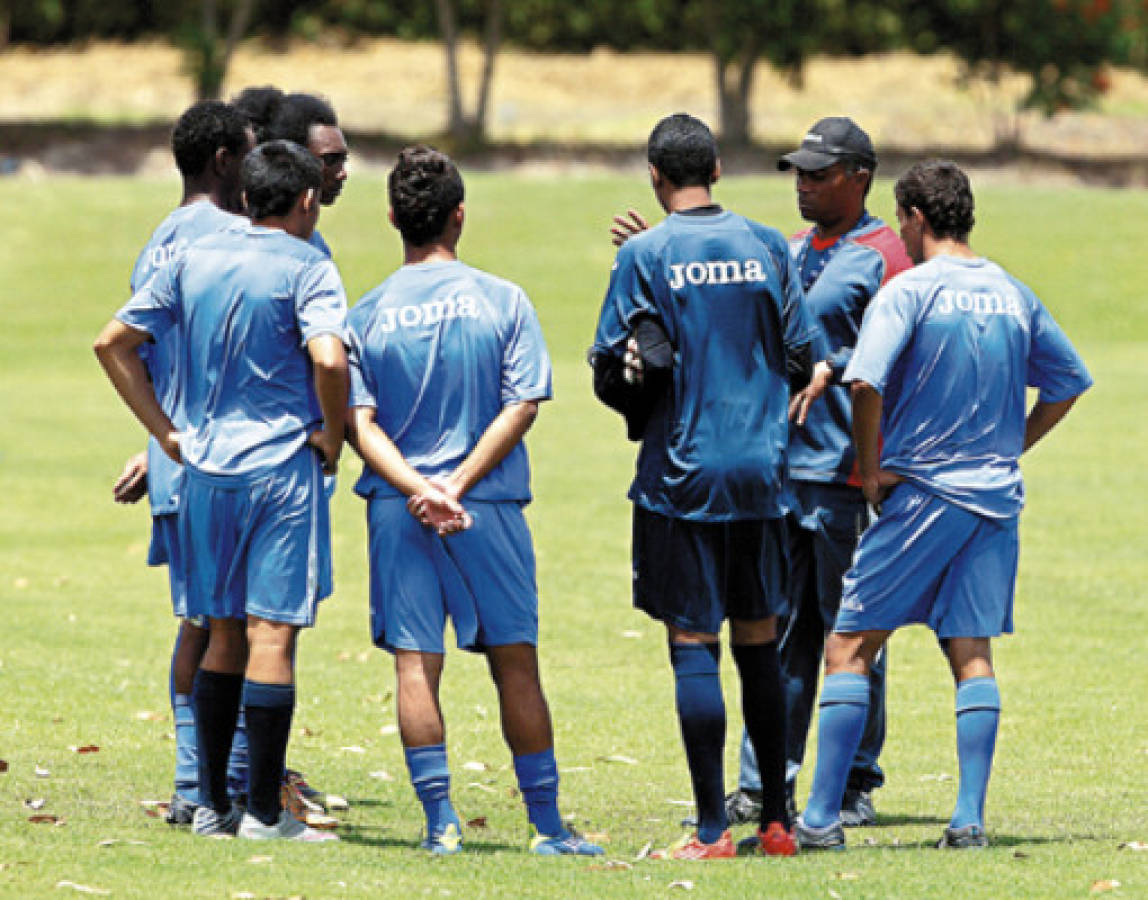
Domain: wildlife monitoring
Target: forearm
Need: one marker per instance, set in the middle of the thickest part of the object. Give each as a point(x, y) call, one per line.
point(116, 350)
point(380, 453)
point(500, 437)
point(867, 429)
point(1042, 418)
point(332, 384)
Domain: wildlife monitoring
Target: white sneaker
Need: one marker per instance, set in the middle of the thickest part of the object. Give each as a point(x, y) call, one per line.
point(208, 823)
point(288, 828)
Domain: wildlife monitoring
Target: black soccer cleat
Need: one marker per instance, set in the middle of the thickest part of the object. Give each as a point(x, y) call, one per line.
point(967, 837)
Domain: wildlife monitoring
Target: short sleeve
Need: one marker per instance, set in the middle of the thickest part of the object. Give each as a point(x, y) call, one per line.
point(154, 308)
point(885, 330)
point(526, 373)
point(320, 302)
point(798, 325)
point(628, 295)
point(1054, 366)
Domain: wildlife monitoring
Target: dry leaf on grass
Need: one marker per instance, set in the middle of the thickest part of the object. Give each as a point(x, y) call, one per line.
point(41, 772)
point(304, 731)
point(36, 803)
point(1135, 846)
point(345, 656)
point(476, 822)
point(1103, 887)
point(943, 776)
point(82, 888)
point(381, 774)
point(3, 765)
point(86, 748)
point(388, 730)
point(354, 748)
point(619, 758)
point(1019, 854)
point(645, 851)
point(684, 885)
point(631, 634)
point(482, 787)
point(111, 842)
point(611, 864)
point(260, 860)
point(243, 895)
point(149, 715)
point(45, 819)
point(846, 876)
point(473, 766)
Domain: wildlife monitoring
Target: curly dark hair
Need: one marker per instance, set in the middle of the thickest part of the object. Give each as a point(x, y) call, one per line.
point(424, 189)
point(684, 150)
point(259, 105)
point(296, 114)
point(941, 191)
point(274, 175)
point(203, 128)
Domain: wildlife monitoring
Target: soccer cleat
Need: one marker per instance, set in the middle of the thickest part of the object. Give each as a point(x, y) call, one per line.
point(689, 847)
point(857, 809)
point(570, 843)
point(299, 798)
point(287, 828)
point(831, 837)
point(208, 823)
point(967, 837)
point(742, 807)
point(446, 841)
point(776, 841)
point(180, 811)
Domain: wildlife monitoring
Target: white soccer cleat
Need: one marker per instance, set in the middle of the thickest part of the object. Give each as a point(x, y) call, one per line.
point(287, 828)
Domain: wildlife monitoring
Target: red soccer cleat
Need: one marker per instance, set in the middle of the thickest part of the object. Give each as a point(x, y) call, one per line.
point(776, 841)
point(691, 848)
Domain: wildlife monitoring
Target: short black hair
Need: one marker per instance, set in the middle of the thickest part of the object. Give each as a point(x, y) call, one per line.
point(259, 105)
point(274, 175)
point(203, 128)
point(684, 150)
point(424, 189)
point(296, 114)
point(941, 191)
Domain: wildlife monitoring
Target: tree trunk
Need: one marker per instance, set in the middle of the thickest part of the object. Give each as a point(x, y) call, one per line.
point(456, 121)
point(493, 38)
point(734, 83)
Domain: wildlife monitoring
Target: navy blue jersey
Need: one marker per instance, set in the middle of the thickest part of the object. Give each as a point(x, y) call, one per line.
point(247, 300)
point(439, 349)
point(727, 293)
point(839, 279)
point(170, 241)
point(951, 346)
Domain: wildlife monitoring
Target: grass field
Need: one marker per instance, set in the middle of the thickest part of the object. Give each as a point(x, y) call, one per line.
point(87, 628)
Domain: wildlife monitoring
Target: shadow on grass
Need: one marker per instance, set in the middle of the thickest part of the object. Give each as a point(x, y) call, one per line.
point(371, 836)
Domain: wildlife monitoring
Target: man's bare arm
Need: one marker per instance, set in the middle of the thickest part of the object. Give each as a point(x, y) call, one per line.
point(332, 384)
point(500, 437)
point(875, 481)
point(1042, 418)
point(116, 348)
point(131, 486)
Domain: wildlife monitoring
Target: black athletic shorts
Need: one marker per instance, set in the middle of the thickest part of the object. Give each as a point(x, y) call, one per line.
point(695, 575)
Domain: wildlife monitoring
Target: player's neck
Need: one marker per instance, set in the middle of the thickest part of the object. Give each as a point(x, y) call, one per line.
point(679, 199)
point(839, 226)
point(425, 253)
point(934, 246)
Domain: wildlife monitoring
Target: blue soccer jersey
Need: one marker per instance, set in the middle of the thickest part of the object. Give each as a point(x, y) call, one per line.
point(839, 280)
point(438, 349)
point(727, 293)
point(316, 240)
point(951, 346)
point(247, 300)
point(169, 241)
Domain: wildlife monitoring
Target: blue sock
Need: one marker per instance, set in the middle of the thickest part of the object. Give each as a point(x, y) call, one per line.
point(237, 763)
point(841, 721)
point(431, 779)
point(269, 709)
point(538, 780)
point(701, 712)
point(978, 713)
point(186, 749)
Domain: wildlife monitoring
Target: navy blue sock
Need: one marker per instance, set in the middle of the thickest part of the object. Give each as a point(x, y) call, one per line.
point(538, 781)
point(701, 712)
point(268, 708)
point(216, 698)
point(430, 777)
point(841, 720)
point(763, 709)
point(978, 714)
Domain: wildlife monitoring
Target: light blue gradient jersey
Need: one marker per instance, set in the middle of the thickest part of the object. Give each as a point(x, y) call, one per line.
point(316, 240)
point(169, 241)
point(727, 293)
point(839, 280)
point(438, 349)
point(951, 346)
point(247, 300)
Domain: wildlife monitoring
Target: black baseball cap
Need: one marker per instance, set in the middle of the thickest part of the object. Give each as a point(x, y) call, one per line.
point(831, 140)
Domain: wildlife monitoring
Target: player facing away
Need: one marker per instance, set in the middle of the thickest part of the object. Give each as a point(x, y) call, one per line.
point(264, 372)
point(708, 532)
point(944, 357)
point(209, 142)
point(448, 368)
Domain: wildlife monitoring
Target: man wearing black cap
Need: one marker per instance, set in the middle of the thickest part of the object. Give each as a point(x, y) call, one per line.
point(842, 260)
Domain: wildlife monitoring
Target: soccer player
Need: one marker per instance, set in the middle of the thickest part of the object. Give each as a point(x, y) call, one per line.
point(209, 142)
point(944, 357)
point(448, 369)
point(708, 533)
point(264, 372)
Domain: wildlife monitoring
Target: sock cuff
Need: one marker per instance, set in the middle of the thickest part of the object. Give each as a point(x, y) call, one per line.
point(537, 769)
point(269, 696)
point(695, 659)
point(766, 654)
point(217, 684)
point(845, 688)
point(427, 762)
point(978, 693)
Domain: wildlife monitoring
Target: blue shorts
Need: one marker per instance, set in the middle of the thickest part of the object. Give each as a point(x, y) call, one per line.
point(926, 560)
point(165, 551)
point(695, 575)
point(482, 578)
point(257, 546)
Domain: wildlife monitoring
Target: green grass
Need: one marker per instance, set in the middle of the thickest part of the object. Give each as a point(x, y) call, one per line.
point(87, 628)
